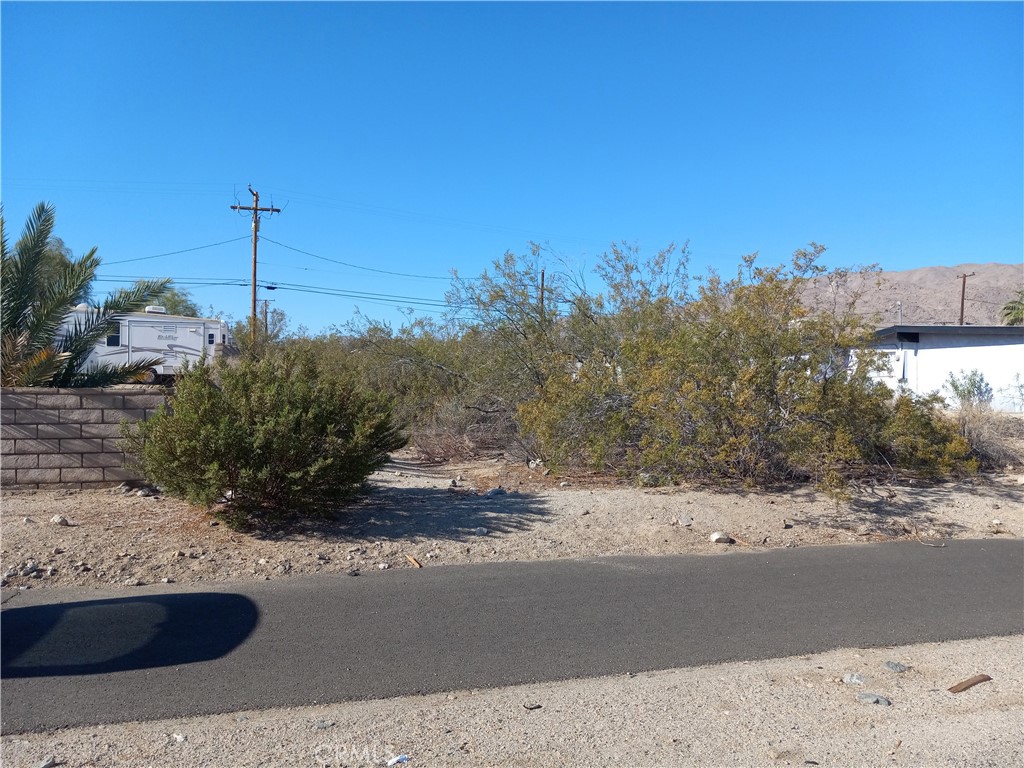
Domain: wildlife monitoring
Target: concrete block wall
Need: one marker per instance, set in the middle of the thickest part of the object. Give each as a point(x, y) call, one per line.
point(68, 438)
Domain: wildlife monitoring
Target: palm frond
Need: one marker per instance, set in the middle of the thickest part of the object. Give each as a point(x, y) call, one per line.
point(21, 285)
point(104, 374)
point(38, 292)
point(87, 330)
point(1013, 310)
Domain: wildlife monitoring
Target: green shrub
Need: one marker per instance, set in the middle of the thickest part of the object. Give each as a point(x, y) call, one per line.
point(275, 437)
point(917, 437)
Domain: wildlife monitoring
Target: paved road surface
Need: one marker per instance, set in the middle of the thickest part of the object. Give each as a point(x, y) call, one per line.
point(164, 652)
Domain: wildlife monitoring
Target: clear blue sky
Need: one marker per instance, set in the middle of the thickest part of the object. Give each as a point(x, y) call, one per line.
point(418, 138)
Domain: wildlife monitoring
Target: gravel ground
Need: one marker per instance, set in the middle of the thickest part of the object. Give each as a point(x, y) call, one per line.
point(412, 510)
point(784, 712)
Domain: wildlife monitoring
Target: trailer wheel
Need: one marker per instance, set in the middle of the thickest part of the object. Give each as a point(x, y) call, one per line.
point(150, 376)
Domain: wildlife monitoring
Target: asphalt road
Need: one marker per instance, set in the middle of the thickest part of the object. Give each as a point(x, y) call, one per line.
point(83, 657)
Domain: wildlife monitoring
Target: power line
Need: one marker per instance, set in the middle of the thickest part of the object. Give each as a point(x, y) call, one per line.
point(200, 282)
point(356, 266)
point(175, 253)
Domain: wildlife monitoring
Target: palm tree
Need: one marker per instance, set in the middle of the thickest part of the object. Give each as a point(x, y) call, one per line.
point(38, 292)
point(1013, 310)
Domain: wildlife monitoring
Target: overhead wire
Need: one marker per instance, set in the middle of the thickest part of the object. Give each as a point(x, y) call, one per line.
point(353, 266)
point(174, 253)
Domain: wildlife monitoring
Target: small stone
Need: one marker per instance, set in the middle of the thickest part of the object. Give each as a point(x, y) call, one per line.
point(323, 725)
point(167, 580)
point(399, 474)
point(29, 568)
point(383, 566)
point(262, 561)
point(49, 762)
point(719, 537)
point(873, 698)
point(853, 678)
point(134, 583)
point(564, 484)
point(499, 491)
point(28, 520)
point(51, 571)
point(179, 737)
point(59, 520)
point(481, 531)
point(214, 523)
point(546, 472)
point(896, 667)
point(10, 572)
point(997, 522)
point(58, 551)
point(787, 524)
point(144, 492)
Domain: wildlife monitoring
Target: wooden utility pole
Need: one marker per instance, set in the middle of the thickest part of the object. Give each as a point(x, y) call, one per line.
point(542, 313)
point(963, 294)
point(266, 317)
point(256, 211)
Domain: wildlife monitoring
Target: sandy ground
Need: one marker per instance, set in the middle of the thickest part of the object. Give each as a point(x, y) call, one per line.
point(793, 711)
point(413, 511)
point(783, 712)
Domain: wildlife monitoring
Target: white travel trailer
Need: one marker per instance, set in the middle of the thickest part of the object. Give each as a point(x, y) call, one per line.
point(155, 334)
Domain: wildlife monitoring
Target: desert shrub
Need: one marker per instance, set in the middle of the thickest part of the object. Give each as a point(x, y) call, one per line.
point(970, 390)
point(739, 381)
point(753, 386)
point(995, 438)
point(918, 437)
point(276, 436)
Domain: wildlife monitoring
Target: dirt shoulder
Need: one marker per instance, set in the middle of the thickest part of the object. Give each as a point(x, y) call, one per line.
point(414, 511)
point(783, 712)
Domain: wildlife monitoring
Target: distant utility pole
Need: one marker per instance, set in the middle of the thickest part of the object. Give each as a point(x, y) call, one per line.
point(256, 211)
point(266, 320)
point(963, 293)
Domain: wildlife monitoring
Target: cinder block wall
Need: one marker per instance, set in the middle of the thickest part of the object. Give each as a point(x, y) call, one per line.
point(68, 438)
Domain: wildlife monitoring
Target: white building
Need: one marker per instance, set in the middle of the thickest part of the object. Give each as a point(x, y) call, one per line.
point(922, 357)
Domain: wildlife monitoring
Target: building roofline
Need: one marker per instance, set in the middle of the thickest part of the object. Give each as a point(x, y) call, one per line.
point(954, 330)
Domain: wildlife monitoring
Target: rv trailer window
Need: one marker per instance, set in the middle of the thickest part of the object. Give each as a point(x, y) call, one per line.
point(210, 338)
point(114, 335)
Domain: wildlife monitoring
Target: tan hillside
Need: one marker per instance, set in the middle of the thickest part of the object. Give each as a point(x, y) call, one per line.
point(932, 294)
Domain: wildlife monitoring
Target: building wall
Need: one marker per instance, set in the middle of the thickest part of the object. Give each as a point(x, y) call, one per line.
point(927, 365)
point(68, 438)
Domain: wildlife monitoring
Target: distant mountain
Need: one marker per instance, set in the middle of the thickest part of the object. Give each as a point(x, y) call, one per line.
point(931, 295)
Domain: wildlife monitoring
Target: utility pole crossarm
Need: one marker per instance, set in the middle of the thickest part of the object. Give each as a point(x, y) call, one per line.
point(256, 211)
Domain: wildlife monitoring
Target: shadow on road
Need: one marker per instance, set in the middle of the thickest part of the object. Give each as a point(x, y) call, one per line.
point(119, 634)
